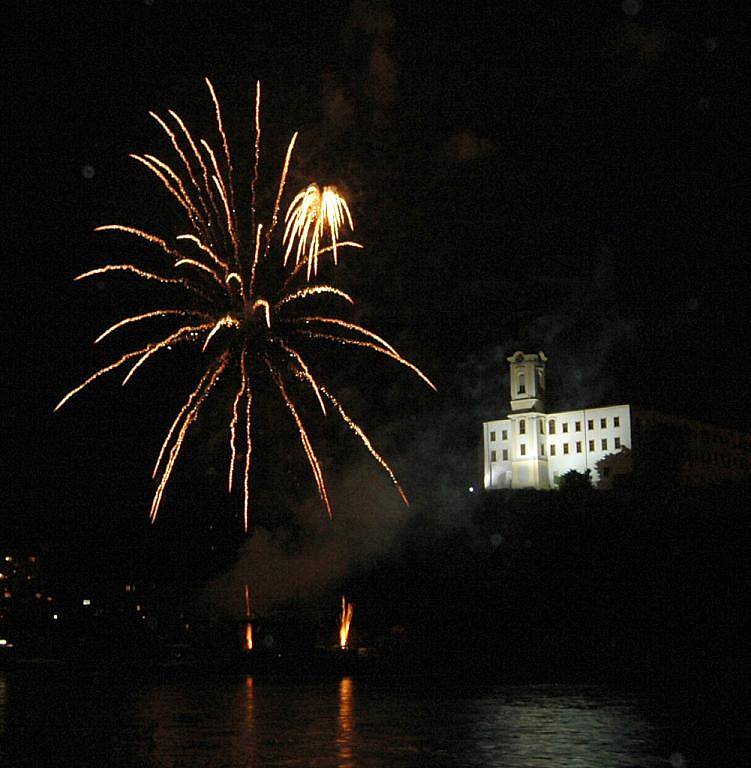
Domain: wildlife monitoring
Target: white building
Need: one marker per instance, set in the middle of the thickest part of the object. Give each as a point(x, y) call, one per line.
point(532, 448)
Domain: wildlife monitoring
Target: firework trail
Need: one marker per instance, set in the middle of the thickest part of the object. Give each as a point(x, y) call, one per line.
point(246, 322)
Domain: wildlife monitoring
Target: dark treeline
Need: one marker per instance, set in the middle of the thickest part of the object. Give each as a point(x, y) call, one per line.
point(577, 585)
point(642, 583)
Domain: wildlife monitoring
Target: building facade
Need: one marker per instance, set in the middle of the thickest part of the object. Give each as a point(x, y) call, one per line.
point(532, 448)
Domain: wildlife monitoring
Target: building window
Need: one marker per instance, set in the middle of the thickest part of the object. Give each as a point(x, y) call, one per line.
point(551, 427)
point(591, 445)
point(604, 443)
point(522, 427)
point(542, 427)
point(578, 447)
point(523, 449)
point(493, 457)
point(521, 390)
point(590, 423)
point(617, 442)
point(578, 426)
point(565, 426)
point(492, 437)
point(505, 454)
point(504, 434)
point(565, 447)
point(542, 449)
point(552, 450)
point(604, 423)
point(616, 421)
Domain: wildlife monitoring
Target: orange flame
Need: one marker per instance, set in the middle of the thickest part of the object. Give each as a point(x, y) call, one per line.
point(345, 620)
point(248, 640)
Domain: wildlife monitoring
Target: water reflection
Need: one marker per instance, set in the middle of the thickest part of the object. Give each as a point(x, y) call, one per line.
point(549, 727)
point(346, 723)
point(3, 694)
point(238, 721)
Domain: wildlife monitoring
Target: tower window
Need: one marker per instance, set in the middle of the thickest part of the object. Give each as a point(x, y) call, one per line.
point(522, 427)
point(542, 427)
point(504, 434)
point(578, 426)
point(551, 427)
point(604, 443)
point(505, 454)
point(604, 423)
point(591, 445)
point(578, 447)
point(493, 456)
point(492, 437)
point(590, 423)
point(565, 447)
point(617, 442)
point(542, 449)
point(521, 389)
point(523, 449)
point(565, 426)
point(552, 450)
point(616, 421)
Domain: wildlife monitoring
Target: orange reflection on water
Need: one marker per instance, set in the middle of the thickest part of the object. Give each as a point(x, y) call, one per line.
point(249, 695)
point(346, 723)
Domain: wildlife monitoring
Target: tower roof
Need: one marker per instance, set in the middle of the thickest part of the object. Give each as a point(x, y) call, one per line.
point(520, 356)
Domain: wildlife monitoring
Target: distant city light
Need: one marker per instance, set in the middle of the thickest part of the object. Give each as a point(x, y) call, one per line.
point(86, 601)
point(471, 488)
point(8, 559)
point(54, 616)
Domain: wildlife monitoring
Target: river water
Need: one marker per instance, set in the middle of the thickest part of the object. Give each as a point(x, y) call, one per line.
point(57, 718)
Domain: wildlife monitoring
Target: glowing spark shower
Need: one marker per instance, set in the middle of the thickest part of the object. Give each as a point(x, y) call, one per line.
point(345, 620)
point(239, 304)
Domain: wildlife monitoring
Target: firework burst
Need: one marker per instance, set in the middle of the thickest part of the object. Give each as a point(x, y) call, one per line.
point(246, 319)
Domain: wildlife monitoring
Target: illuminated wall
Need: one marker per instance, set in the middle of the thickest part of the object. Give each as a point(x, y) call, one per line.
point(532, 448)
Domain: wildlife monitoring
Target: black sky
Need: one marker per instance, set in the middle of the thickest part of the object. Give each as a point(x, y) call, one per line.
point(524, 175)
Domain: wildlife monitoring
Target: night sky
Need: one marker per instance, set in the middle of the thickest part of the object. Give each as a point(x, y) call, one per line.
point(524, 175)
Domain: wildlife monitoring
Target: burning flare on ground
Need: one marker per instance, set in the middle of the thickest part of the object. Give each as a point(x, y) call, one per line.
point(248, 638)
point(237, 302)
point(345, 620)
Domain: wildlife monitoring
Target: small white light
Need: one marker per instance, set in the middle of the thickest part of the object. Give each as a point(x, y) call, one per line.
point(3, 642)
point(86, 601)
point(471, 488)
point(54, 616)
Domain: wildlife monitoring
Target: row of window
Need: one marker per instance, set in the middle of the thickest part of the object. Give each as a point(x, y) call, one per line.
point(578, 425)
point(564, 427)
point(565, 446)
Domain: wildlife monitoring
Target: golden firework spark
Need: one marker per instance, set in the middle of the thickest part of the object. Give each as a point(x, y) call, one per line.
point(311, 213)
point(248, 322)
